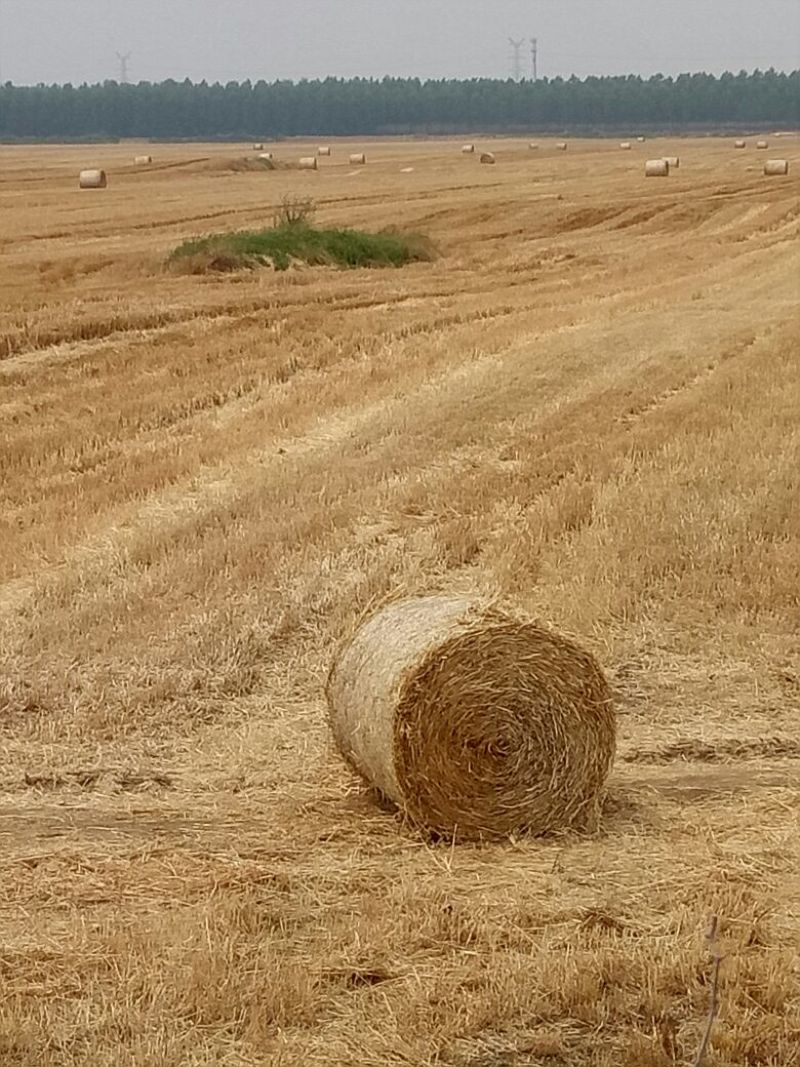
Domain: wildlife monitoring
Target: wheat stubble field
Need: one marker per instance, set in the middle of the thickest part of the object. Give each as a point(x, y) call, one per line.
point(587, 404)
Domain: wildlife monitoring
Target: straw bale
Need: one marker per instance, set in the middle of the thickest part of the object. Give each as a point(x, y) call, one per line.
point(324, 150)
point(307, 163)
point(357, 158)
point(673, 162)
point(265, 155)
point(762, 144)
point(533, 146)
point(92, 179)
point(474, 721)
point(641, 140)
point(258, 147)
point(142, 161)
point(625, 146)
point(776, 166)
point(656, 168)
point(487, 157)
point(561, 146)
point(740, 144)
point(468, 149)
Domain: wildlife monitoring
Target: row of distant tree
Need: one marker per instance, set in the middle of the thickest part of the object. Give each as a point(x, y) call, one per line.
point(269, 110)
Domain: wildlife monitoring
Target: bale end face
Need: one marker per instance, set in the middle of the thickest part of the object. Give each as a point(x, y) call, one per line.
point(488, 157)
point(476, 723)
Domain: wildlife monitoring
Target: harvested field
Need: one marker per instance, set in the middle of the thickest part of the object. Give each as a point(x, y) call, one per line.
point(587, 404)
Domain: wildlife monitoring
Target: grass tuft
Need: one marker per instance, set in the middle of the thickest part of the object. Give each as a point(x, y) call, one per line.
point(297, 240)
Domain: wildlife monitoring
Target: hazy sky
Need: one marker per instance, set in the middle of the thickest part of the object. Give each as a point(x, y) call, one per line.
point(76, 40)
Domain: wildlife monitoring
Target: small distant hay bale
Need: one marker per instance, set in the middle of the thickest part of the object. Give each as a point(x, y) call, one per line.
point(142, 161)
point(468, 149)
point(625, 146)
point(258, 147)
point(488, 157)
point(740, 144)
point(673, 162)
point(92, 179)
point(774, 167)
point(307, 163)
point(641, 140)
point(357, 159)
point(656, 168)
point(324, 150)
point(533, 146)
point(266, 156)
point(762, 144)
point(561, 146)
point(474, 721)
point(406, 170)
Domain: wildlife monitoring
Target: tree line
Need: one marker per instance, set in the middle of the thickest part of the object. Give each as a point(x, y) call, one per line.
point(349, 107)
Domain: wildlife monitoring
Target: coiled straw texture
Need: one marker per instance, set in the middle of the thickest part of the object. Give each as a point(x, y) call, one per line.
point(475, 722)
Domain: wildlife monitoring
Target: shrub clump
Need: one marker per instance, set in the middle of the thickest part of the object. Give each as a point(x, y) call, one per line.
point(293, 238)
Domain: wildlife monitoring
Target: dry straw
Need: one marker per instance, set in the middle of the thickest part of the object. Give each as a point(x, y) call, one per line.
point(92, 179)
point(308, 163)
point(740, 144)
point(488, 157)
point(358, 158)
point(142, 161)
point(324, 150)
point(468, 149)
point(776, 166)
point(656, 168)
point(474, 721)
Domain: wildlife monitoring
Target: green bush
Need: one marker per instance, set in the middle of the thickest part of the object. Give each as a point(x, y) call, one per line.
point(293, 238)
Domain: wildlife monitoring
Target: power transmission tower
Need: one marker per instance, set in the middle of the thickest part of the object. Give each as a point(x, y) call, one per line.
point(516, 58)
point(123, 67)
point(535, 57)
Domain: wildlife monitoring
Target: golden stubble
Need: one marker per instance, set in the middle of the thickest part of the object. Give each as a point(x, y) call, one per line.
point(587, 404)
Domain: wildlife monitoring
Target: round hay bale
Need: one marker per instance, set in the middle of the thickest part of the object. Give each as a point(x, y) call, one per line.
point(776, 166)
point(673, 162)
point(740, 144)
point(357, 159)
point(258, 147)
point(561, 146)
point(533, 147)
point(762, 144)
point(488, 157)
point(656, 168)
point(324, 150)
point(474, 721)
point(307, 163)
point(641, 140)
point(142, 161)
point(265, 155)
point(625, 146)
point(468, 149)
point(92, 179)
